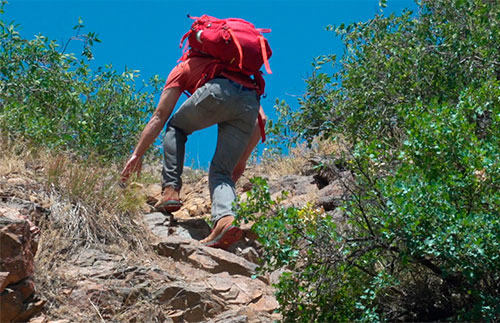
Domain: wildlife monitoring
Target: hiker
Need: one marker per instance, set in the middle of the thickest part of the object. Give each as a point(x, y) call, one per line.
point(228, 98)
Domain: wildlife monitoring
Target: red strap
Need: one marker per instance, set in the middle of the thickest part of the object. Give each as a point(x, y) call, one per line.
point(238, 45)
point(186, 35)
point(260, 82)
point(264, 54)
point(262, 128)
point(263, 30)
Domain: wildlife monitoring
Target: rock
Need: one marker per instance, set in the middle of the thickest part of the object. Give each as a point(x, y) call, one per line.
point(174, 247)
point(196, 229)
point(248, 289)
point(250, 254)
point(16, 303)
point(220, 283)
point(96, 263)
point(194, 300)
point(210, 259)
point(275, 276)
point(326, 169)
point(244, 315)
point(17, 250)
point(158, 223)
point(331, 196)
point(30, 309)
point(11, 304)
point(301, 189)
point(163, 226)
point(294, 184)
point(39, 319)
point(239, 290)
point(26, 288)
point(265, 304)
point(231, 317)
point(3, 280)
point(201, 260)
point(190, 273)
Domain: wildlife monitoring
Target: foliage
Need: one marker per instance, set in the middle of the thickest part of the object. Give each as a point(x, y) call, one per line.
point(56, 100)
point(416, 98)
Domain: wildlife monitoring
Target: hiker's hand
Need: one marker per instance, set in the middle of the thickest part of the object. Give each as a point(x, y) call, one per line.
point(134, 164)
point(238, 171)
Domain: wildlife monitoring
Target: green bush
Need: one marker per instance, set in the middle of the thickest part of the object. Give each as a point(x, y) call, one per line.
point(54, 99)
point(416, 99)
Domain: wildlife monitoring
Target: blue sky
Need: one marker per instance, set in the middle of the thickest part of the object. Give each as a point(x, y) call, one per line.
point(144, 35)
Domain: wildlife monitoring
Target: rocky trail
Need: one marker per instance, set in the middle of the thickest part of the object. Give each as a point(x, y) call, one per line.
point(180, 281)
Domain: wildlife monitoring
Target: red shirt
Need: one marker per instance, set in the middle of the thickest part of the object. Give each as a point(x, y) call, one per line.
point(187, 75)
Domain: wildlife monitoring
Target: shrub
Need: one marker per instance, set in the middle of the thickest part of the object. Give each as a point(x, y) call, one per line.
point(54, 99)
point(417, 101)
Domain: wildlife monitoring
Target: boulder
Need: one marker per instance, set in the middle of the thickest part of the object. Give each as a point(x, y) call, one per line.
point(331, 196)
point(245, 315)
point(236, 289)
point(17, 250)
point(294, 184)
point(190, 302)
point(16, 303)
point(3, 280)
point(266, 303)
point(210, 259)
point(158, 223)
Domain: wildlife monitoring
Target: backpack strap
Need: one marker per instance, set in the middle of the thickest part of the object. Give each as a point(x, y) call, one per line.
point(261, 84)
point(262, 128)
point(185, 50)
point(186, 35)
point(263, 30)
point(238, 45)
point(264, 54)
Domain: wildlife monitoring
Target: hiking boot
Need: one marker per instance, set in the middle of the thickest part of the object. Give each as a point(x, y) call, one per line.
point(169, 200)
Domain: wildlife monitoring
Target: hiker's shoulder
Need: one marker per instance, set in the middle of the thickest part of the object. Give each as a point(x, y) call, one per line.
point(195, 61)
point(193, 64)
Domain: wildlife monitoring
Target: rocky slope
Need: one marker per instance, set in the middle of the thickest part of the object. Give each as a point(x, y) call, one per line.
point(178, 280)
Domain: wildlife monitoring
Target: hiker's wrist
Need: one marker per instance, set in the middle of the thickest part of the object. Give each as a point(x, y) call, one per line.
point(136, 155)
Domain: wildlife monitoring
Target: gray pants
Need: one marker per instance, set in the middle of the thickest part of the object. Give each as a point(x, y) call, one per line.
point(234, 109)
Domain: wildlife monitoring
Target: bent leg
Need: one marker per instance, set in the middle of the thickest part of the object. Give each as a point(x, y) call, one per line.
point(233, 137)
point(197, 112)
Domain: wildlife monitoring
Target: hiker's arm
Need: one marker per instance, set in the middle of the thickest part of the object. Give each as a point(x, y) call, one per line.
point(153, 128)
point(254, 140)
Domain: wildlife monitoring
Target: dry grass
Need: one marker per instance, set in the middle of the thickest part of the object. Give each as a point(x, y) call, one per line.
point(78, 204)
point(297, 160)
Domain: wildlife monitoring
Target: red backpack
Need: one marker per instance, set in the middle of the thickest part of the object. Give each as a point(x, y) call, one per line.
point(235, 42)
